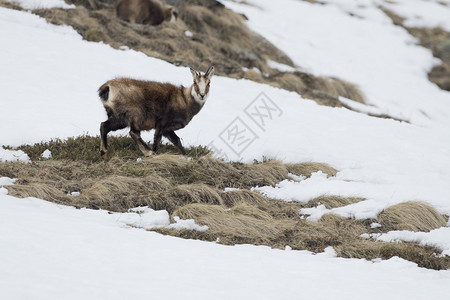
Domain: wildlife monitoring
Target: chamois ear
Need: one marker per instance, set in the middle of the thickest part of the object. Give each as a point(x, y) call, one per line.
point(194, 73)
point(210, 72)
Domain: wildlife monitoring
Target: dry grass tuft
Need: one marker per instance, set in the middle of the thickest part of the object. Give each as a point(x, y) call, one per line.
point(331, 201)
point(414, 216)
point(196, 193)
point(425, 257)
point(38, 190)
point(232, 198)
point(241, 224)
point(12, 5)
point(120, 193)
point(306, 169)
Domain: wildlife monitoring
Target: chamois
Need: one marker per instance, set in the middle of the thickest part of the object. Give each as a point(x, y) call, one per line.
point(145, 105)
point(151, 12)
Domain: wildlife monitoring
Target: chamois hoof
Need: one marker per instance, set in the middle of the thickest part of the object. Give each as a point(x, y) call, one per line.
point(149, 153)
point(104, 154)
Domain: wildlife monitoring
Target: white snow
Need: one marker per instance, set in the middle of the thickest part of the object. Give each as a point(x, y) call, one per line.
point(13, 155)
point(4, 181)
point(424, 13)
point(186, 224)
point(304, 190)
point(368, 109)
point(375, 225)
point(280, 67)
point(57, 252)
point(147, 218)
point(42, 4)
point(49, 78)
point(365, 49)
point(188, 33)
point(47, 154)
point(144, 217)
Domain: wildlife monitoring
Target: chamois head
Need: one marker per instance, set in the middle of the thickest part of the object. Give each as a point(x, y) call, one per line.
point(172, 14)
point(200, 89)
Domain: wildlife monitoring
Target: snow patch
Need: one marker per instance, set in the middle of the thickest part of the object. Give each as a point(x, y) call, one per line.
point(144, 217)
point(147, 218)
point(363, 108)
point(47, 154)
point(7, 181)
point(186, 224)
point(280, 67)
point(329, 252)
point(304, 190)
point(43, 4)
point(13, 155)
point(375, 225)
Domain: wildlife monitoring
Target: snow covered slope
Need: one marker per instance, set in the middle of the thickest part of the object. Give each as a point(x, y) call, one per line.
point(356, 41)
point(56, 252)
point(49, 86)
point(49, 78)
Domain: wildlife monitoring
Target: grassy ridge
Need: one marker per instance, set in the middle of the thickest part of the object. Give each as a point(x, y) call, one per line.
point(87, 148)
point(192, 187)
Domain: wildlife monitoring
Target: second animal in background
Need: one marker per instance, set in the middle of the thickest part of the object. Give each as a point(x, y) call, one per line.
point(151, 12)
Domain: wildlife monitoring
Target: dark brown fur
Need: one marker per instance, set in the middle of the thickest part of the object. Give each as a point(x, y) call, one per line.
point(145, 105)
point(144, 11)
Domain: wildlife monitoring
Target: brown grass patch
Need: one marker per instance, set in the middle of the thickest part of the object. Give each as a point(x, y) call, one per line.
point(194, 189)
point(37, 190)
point(232, 198)
point(197, 193)
point(306, 169)
point(332, 201)
point(241, 224)
point(425, 257)
point(219, 35)
point(414, 216)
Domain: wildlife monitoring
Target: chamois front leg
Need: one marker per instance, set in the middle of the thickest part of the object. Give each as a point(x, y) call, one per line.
point(136, 135)
point(105, 127)
point(173, 137)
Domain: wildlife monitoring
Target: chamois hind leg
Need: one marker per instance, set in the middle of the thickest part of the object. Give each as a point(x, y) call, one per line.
point(173, 137)
point(105, 127)
point(136, 135)
point(157, 139)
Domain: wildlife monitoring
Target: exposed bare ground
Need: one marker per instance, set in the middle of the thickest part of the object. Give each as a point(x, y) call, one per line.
point(194, 188)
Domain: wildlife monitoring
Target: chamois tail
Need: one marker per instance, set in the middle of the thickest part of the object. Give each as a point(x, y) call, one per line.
point(103, 92)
